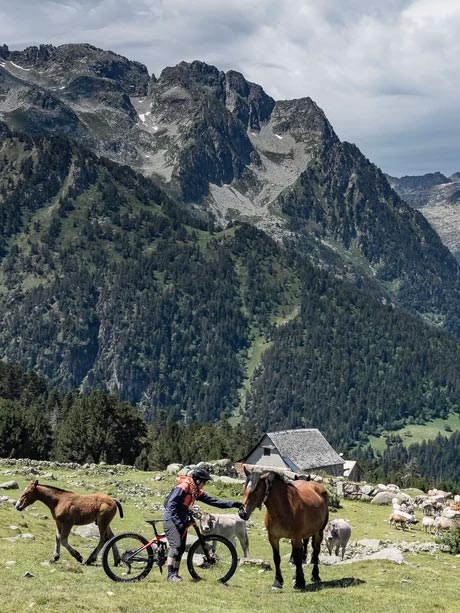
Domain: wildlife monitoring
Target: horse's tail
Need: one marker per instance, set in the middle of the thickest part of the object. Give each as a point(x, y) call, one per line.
point(120, 508)
point(325, 496)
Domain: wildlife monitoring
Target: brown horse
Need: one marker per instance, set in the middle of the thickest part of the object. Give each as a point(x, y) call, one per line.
point(69, 509)
point(296, 510)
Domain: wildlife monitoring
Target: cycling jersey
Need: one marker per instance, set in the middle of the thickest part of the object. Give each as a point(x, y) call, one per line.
point(183, 497)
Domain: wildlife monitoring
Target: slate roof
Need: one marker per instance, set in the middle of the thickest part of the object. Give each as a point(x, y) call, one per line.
point(306, 448)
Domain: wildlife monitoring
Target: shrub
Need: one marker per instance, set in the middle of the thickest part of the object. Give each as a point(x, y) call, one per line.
point(334, 501)
point(450, 541)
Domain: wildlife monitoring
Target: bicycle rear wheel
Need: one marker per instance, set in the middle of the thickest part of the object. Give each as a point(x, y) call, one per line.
point(217, 563)
point(122, 560)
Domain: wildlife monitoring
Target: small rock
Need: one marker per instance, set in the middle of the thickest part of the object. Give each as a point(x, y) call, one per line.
point(225, 479)
point(390, 553)
point(27, 536)
point(87, 531)
point(383, 498)
point(173, 469)
point(369, 543)
point(9, 485)
point(225, 462)
point(28, 575)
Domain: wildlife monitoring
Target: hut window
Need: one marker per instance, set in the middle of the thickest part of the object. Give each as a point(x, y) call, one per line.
point(266, 450)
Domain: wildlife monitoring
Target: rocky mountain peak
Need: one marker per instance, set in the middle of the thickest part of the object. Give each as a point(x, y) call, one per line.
point(194, 75)
point(438, 198)
point(304, 120)
point(50, 66)
point(34, 57)
point(4, 52)
point(410, 182)
point(247, 101)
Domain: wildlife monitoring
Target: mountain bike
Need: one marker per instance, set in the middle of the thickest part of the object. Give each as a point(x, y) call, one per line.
point(130, 556)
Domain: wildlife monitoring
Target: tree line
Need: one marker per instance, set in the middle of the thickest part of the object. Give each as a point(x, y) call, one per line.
point(73, 427)
point(426, 464)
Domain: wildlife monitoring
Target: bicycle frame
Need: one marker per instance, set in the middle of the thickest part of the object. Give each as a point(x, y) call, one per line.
point(199, 534)
point(159, 538)
point(162, 537)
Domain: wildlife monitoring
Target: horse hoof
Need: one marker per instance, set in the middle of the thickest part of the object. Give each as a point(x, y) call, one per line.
point(277, 586)
point(316, 579)
point(299, 586)
point(89, 562)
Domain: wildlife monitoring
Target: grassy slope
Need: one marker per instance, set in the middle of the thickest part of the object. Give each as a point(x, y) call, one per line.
point(259, 344)
point(415, 433)
point(424, 580)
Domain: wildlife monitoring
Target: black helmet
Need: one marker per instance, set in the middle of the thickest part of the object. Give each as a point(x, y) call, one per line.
point(200, 474)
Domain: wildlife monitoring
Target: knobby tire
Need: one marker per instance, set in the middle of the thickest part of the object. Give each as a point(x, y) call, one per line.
point(123, 570)
point(223, 563)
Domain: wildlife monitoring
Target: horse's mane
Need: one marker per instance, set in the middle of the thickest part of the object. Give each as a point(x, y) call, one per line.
point(52, 487)
point(254, 477)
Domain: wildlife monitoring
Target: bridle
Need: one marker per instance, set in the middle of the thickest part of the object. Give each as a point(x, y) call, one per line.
point(268, 486)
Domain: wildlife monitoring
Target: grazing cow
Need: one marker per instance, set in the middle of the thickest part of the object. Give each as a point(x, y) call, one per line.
point(230, 526)
point(336, 535)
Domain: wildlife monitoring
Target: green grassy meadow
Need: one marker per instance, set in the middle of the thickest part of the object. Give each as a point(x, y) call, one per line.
point(416, 433)
point(425, 582)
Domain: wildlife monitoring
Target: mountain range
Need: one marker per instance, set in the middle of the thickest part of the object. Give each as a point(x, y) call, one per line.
point(437, 197)
point(184, 240)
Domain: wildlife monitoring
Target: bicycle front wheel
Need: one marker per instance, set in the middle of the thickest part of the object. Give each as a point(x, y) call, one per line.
point(125, 559)
point(217, 562)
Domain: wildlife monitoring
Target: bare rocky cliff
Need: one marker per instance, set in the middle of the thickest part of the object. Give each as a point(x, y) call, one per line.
point(437, 197)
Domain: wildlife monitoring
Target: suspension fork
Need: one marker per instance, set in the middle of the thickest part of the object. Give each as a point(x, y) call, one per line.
point(203, 543)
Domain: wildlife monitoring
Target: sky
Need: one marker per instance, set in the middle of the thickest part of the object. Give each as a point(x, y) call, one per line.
point(385, 72)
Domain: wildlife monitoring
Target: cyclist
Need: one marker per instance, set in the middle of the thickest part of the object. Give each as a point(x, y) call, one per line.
point(176, 516)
